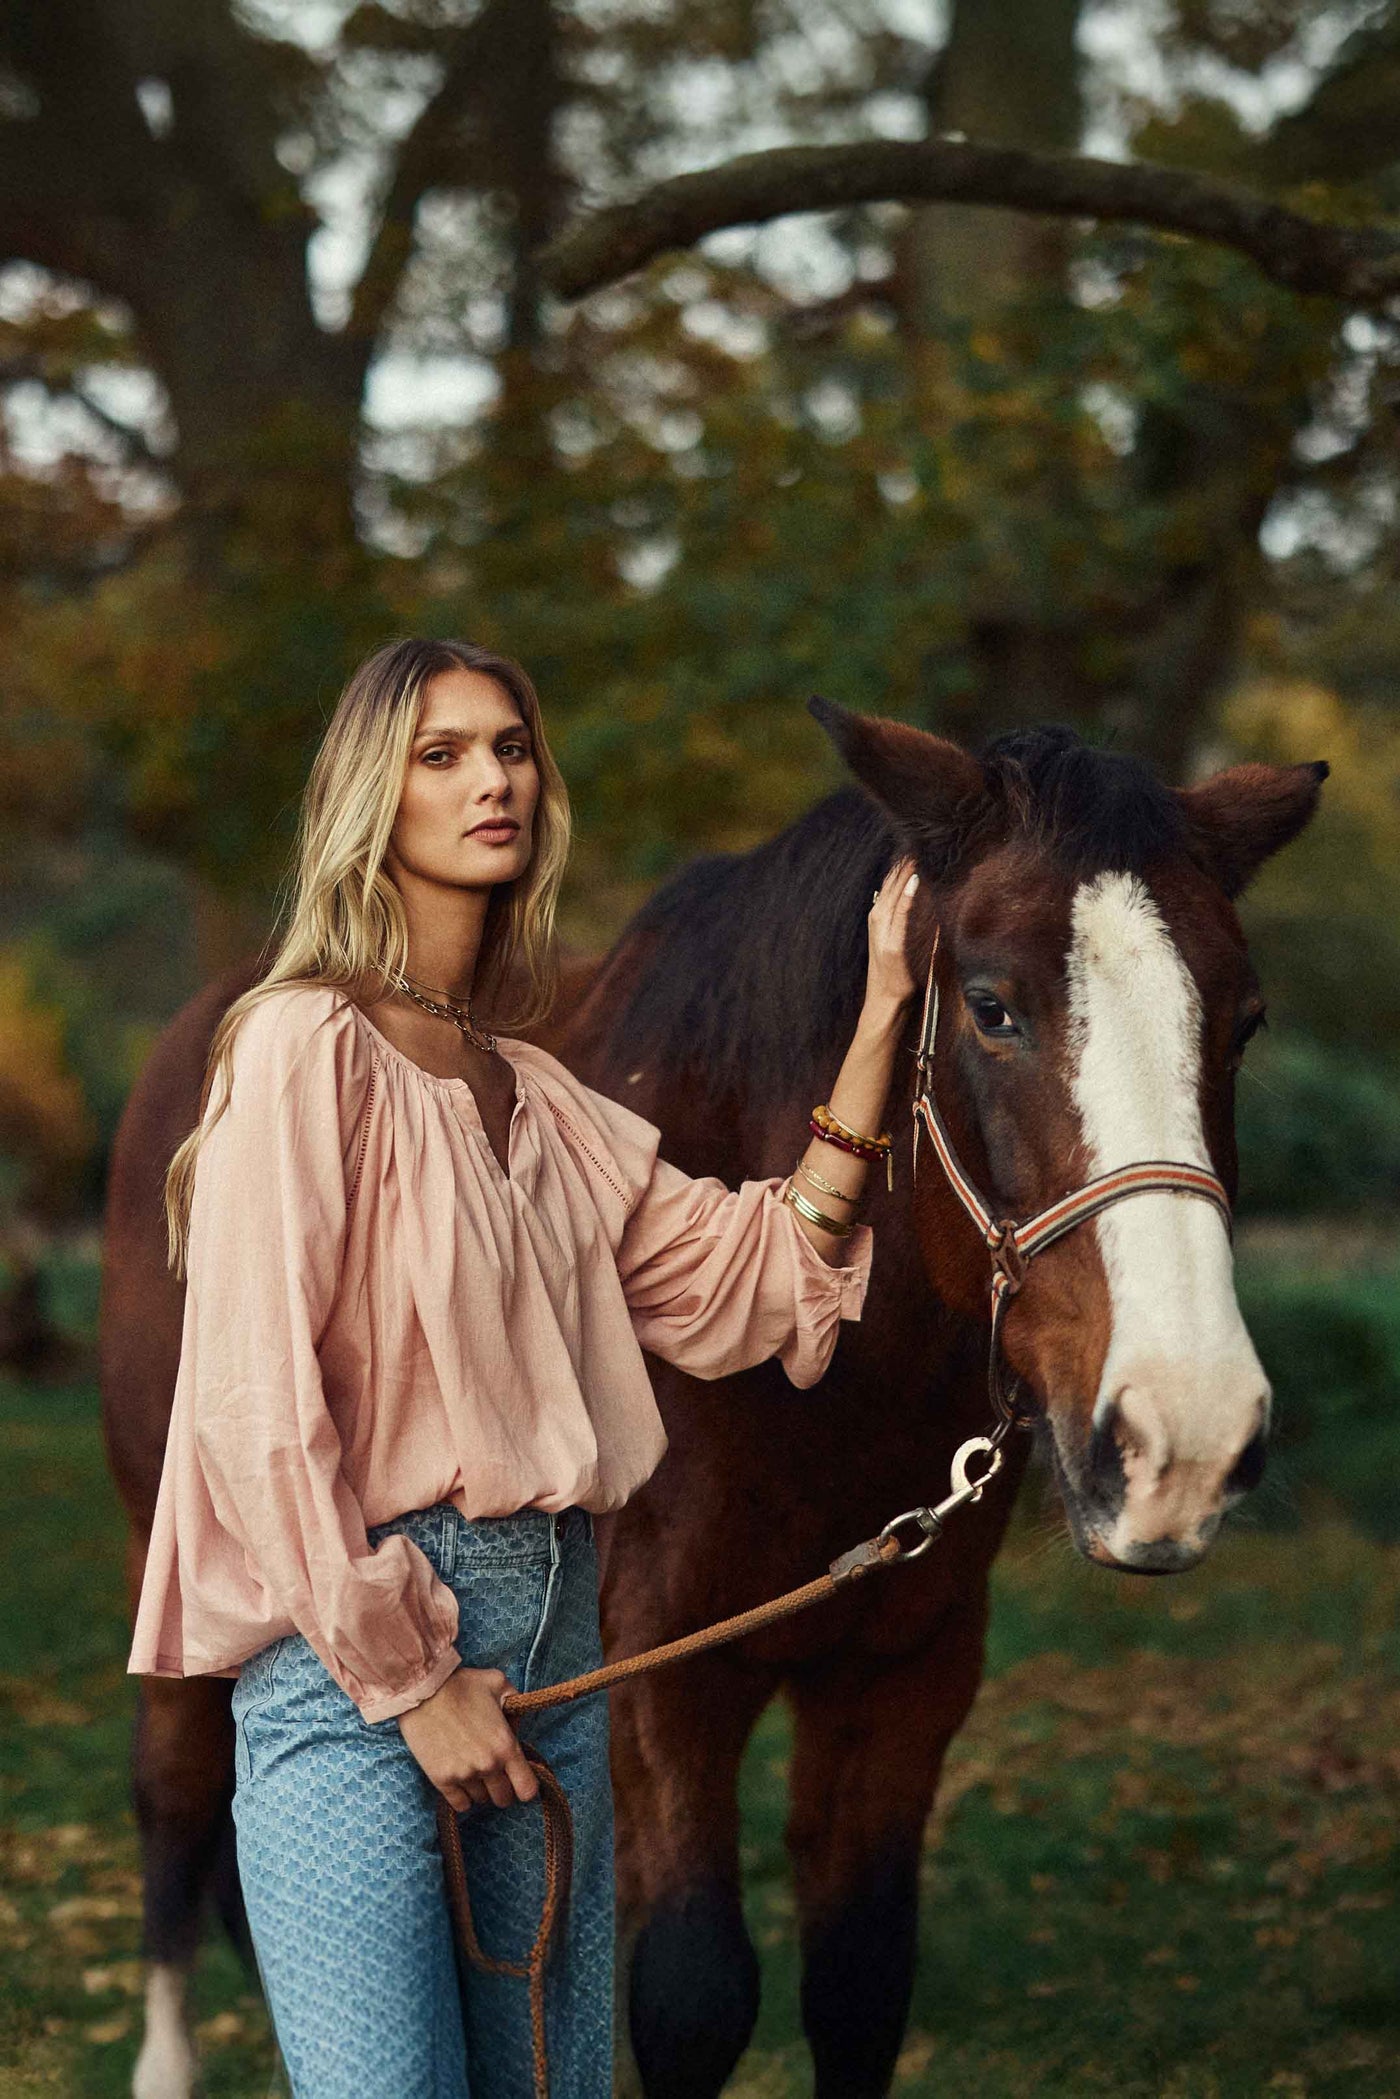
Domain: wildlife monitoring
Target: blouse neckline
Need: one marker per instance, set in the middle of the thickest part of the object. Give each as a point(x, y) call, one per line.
point(382, 1047)
point(385, 1047)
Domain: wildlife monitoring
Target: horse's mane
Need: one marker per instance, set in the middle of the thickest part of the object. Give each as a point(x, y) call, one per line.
point(1095, 811)
point(755, 962)
point(752, 965)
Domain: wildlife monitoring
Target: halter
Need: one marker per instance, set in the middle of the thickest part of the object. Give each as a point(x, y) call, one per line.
point(1013, 1245)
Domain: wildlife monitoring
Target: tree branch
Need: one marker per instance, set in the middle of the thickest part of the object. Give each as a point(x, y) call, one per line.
point(34, 368)
point(1359, 264)
point(1349, 128)
point(421, 165)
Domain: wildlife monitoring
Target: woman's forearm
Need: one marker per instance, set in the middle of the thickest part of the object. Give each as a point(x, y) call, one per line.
point(829, 1178)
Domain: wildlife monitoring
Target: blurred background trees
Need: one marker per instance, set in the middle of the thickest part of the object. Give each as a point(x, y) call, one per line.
point(280, 377)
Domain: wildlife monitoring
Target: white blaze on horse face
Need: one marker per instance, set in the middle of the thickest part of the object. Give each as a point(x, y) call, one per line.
point(1180, 1379)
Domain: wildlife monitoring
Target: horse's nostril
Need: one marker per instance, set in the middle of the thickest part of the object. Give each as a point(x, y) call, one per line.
point(1105, 1457)
point(1248, 1468)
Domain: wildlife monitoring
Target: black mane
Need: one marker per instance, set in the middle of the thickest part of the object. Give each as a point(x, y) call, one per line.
point(1096, 811)
point(755, 962)
point(758, 965)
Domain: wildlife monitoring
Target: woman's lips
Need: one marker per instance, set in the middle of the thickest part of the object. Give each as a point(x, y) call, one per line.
point(496, 834)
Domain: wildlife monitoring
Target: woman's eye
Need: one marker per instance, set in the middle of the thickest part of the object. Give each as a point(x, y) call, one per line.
point(441, 751)
point(990, 1014)
point(514, 750)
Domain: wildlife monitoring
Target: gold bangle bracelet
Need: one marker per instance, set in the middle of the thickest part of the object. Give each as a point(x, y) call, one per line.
point(813, 1215)
point(824, 1186)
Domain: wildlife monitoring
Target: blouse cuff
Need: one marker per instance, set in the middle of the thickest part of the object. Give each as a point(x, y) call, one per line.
point(821, 1281)
point(387, 1705)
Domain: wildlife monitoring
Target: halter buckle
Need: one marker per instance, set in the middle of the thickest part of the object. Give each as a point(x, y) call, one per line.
point(1008, 1261)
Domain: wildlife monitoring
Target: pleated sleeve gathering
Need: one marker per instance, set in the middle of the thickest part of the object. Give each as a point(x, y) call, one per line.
point(716, 1279)
point(273, 1187)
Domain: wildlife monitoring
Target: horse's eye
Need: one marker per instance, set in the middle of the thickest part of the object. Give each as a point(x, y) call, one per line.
point(1244, 1034)
point(990, 1015)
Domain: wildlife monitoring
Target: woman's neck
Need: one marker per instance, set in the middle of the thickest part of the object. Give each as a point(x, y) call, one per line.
point(444, 933)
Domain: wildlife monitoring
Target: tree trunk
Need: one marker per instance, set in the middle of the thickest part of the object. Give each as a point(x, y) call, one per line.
point(1008, 75)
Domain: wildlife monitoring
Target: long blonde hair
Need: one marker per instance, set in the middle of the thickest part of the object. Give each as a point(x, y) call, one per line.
point(345, 925)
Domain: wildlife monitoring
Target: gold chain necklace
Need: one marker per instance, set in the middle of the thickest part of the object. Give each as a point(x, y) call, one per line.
point(444, 1007)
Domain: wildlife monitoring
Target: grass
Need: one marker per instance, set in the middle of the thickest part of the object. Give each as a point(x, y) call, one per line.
point(1164, 1860)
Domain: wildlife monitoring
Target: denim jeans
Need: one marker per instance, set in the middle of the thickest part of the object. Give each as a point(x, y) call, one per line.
point(342, 1871)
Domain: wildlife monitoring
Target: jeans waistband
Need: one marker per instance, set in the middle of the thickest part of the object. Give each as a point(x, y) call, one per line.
point(449, 1538)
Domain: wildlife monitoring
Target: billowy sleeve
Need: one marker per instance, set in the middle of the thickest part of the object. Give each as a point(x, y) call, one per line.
point(716, 1279)
point(267, 1237)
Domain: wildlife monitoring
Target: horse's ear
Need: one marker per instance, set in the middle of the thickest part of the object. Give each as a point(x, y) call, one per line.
point(932, 788)
point(1240, 817)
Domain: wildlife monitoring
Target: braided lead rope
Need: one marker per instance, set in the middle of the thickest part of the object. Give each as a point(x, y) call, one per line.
point(558, 1871)
point(883, 1550)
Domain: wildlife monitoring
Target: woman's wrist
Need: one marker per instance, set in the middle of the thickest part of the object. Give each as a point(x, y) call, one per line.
point(881, 1018)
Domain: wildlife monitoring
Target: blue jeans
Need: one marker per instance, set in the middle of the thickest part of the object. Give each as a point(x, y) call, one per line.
point(341, 1867)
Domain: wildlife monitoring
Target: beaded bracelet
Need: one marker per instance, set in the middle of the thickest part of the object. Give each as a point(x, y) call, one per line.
point(859, 1150)
point(824, 1124)
point(831, 1127)
point(823, 1114)
point(815, 1216)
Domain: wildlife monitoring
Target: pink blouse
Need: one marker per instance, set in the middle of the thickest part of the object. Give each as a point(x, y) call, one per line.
point(378, 1318)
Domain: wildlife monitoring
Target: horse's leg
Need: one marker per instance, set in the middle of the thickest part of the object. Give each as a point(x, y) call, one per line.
point(693, 1971)
point(870, 1737)
point(182, 1773)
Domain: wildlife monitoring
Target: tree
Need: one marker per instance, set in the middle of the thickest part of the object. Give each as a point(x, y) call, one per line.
point(160, 165)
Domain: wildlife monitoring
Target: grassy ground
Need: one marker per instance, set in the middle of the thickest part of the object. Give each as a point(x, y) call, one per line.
point(1164, 1862)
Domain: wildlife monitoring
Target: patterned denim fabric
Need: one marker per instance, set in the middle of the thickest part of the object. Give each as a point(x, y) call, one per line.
point(340, 1862)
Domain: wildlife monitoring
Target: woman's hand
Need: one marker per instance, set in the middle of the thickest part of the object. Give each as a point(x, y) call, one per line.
point(888, 983)
point(836, 1177)
point(464, 1743)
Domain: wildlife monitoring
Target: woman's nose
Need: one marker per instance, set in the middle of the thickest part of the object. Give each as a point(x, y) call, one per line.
point(491, 781)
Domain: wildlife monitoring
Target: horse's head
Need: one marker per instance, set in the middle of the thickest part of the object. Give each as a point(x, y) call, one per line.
point(1096, 997)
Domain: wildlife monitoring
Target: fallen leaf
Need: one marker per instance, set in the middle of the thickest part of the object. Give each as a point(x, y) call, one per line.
point(109, 2029)
point(116, 1975)
point(224, 2026)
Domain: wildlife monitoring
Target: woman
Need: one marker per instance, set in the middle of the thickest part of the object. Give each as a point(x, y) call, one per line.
point(422, 1265)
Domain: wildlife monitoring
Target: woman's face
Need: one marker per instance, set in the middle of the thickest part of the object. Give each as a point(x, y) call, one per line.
point(466, 815)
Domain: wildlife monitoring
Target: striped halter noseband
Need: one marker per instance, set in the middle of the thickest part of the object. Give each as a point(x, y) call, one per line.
point(1013, 1245)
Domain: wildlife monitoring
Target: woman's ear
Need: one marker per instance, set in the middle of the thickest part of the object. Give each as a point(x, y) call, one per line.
point(934, 790)
point(1241, 817)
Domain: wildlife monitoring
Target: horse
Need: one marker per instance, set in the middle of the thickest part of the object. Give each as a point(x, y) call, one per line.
point(1093, 995)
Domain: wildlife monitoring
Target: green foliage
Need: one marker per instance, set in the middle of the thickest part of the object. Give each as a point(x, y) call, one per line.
point(1331, 1347)
point(1319, 1130)
point(847, 515)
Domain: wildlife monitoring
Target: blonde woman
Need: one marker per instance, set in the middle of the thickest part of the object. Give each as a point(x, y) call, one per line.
point(422, 1265)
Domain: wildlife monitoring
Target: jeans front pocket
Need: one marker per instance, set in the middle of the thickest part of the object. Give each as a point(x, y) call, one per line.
point(501, 1604)
point(256, 1685)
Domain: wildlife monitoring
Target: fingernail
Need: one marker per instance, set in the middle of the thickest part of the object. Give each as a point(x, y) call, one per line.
point(911, 885)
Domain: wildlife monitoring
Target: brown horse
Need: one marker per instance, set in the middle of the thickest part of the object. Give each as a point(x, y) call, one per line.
point(1095, 998)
